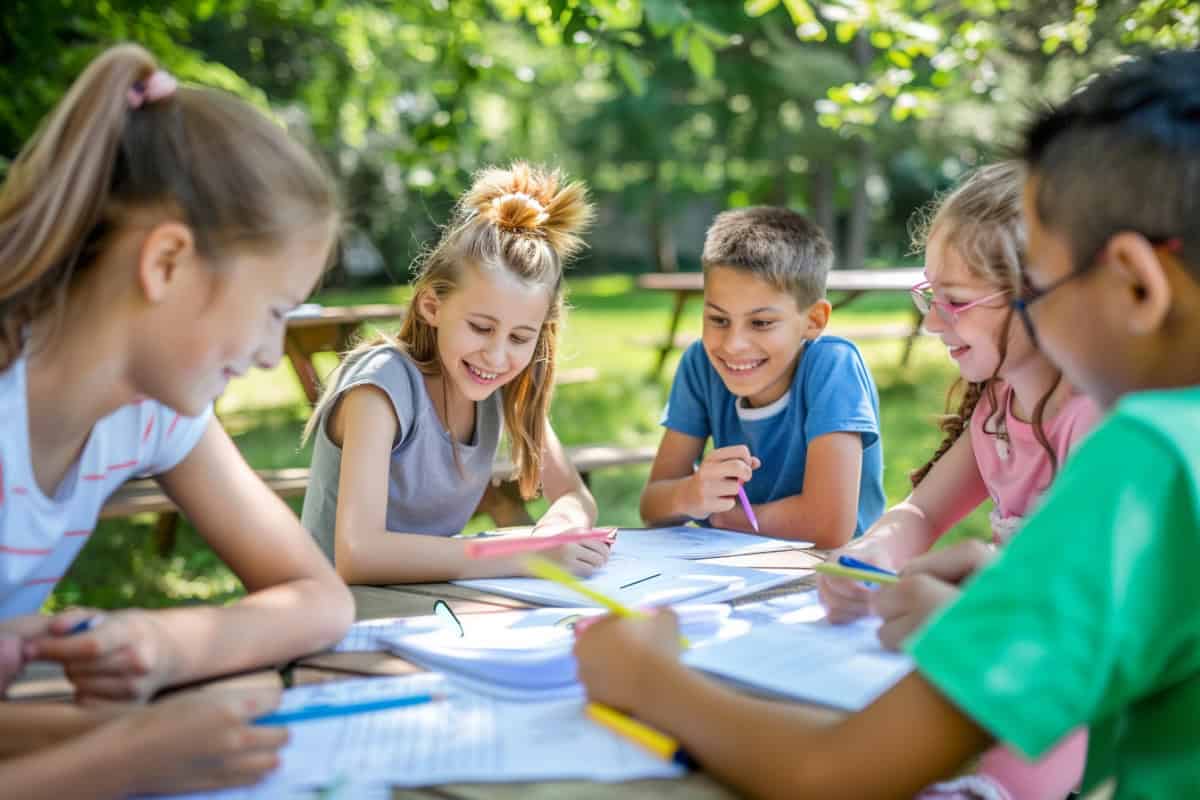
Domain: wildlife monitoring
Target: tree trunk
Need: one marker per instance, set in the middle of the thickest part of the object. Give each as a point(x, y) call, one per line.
point(662, 241)
point(821, 200)
point(858, 233)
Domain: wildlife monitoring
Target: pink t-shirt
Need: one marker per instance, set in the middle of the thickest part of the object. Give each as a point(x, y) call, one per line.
point(1017, 471)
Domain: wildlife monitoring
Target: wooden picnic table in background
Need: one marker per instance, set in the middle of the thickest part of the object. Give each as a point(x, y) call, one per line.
point(848, 284)
point(329, 329)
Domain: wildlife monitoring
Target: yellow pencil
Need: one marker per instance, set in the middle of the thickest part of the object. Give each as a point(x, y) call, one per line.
point(869, 576)
point(547, 570)
point(640, 733)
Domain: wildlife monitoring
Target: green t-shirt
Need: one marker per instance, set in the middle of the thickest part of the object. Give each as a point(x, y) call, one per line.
point(1091, 616)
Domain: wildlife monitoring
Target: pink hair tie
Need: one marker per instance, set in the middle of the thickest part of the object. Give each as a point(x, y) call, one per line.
point(159, 85)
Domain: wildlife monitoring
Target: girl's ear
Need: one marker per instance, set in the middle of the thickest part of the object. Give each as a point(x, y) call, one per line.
point(428, 305)
point(165, 254)
point(1142, 281)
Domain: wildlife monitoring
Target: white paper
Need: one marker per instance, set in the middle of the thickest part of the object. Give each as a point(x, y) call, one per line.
point(466, 737)
point(363, 637)
point(642, 582)
point(842, 666)
point(687, 541)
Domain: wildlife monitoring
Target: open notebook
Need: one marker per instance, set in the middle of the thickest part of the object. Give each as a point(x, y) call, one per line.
point(693, 542)
point(642, 582)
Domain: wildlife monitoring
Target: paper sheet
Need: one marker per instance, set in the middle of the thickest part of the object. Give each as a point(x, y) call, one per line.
point(842, 666)
point(363, 637)
point(687, 541)
point(467, 737)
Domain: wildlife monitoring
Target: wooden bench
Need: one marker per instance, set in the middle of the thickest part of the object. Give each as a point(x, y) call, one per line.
point(145, 497)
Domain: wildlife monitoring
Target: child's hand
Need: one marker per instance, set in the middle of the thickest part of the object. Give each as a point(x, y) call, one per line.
point(15, 635)
point(616, 654)
point(199, 741)
point(926, 584)
point(126, 656)
point(581, 558)
point(846, 599)
point(713, 487)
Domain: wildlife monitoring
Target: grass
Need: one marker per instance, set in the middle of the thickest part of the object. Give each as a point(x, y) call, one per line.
point(265, 412)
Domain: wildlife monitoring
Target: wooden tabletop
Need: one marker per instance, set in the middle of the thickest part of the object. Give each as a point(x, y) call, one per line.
point(889, 279)
point(345, 315)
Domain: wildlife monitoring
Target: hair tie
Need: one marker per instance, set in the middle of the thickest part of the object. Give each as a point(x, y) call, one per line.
point(159, 85)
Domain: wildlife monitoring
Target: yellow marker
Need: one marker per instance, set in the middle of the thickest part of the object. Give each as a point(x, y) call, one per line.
point(653, 740)
point(547, 570)
point(869, 576)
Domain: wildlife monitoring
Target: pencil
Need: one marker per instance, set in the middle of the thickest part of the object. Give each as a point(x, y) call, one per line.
point(746, 507)
point(496, 548)
point(640, 733)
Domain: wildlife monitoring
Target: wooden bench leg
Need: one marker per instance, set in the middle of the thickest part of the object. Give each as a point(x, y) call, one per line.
point(504, 505)
point(669, 344)
point(166, 530)
point(918, 318)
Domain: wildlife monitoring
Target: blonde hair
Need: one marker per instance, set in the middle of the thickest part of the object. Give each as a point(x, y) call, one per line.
point(234, 177)
point(524, 220)
point(981, 219)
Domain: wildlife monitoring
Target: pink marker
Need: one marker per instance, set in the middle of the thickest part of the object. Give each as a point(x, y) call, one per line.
point(746, 507)
point(497, 548)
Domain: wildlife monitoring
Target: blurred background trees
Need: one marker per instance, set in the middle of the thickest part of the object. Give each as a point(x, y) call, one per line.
point(854, 110)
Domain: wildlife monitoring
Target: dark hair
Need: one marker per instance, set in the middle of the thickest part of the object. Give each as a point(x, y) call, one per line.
point(231, 174)
point(1123, 154)
point(780, 246)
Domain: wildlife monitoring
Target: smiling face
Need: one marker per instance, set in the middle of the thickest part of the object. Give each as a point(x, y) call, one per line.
point(487, 328)
point(974, 336)
point(217, 323)
point(753, 333)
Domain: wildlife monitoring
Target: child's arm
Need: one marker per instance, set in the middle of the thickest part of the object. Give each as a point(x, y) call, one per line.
point(199, 741)
point(296, 603)
point(951, 490)
point(678, 491)
point(25, 727)
point(365, 551)
point(571, 504)
point(909, 738)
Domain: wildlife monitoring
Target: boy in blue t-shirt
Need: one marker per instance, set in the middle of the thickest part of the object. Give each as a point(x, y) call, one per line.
point(793, 415)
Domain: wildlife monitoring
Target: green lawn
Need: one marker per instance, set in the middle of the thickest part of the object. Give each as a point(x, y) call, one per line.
point(606, 329)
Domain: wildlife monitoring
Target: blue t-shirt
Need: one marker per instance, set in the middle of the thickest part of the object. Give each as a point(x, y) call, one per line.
point(832, 391)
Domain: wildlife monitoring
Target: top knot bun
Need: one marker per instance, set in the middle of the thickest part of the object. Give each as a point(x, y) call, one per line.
point(532, 201)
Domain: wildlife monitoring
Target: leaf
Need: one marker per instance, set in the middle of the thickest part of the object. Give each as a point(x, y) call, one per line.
point(631, 71)
point(801, 11)
point(756, 8)
point(701, 57)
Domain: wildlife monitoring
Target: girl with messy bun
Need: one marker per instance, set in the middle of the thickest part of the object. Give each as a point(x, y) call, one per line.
point(407, 431)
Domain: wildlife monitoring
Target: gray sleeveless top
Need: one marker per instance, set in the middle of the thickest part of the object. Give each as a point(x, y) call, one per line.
point(427, 493)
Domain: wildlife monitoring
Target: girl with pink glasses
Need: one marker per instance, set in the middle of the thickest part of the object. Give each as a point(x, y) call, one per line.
point(1020, 420)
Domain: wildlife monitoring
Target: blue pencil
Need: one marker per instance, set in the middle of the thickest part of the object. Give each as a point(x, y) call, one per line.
point(308, 713)
point(850, 561)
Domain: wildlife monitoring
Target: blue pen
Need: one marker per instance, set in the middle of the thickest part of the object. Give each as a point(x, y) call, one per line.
point(850, 561)
point(308, 713)
point(84, 625)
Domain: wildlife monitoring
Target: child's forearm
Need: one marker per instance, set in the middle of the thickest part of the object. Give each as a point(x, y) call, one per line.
point(25, 727)
point(664, 502)
point(807, 519)
point(903, 531)
point(284, 621)
point(90, 767)
point(390, 557)
point(572, 510)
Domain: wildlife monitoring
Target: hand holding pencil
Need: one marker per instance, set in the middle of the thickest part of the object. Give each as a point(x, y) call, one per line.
point(716, 485)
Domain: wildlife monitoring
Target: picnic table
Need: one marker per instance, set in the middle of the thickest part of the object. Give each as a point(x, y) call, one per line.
point(321, 329)
point(418, 599)
point(848, 284)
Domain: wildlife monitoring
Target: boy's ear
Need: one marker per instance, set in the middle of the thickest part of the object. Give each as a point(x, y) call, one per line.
point(165, 253)
point(428, 306)
point(818, 318)
point(1142, 280)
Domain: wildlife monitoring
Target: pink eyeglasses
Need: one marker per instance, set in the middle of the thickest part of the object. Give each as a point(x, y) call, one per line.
point(923, 299)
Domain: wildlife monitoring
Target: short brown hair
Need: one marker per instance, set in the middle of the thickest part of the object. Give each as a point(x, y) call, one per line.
point(780, 246)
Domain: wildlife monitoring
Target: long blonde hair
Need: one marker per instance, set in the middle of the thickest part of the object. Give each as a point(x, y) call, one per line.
point(234, 177)
point(981, 219)
point(526, 220)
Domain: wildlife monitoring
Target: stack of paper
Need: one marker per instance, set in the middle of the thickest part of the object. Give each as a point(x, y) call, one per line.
point(687, 541)
point(510, 654)
point(645, 582)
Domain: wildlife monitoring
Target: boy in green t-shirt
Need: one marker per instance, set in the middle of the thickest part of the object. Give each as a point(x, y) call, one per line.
point(1088, 617)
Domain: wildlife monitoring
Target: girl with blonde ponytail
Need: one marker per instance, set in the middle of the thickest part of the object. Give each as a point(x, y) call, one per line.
point(153, 237)
point(1015, 424)
point(408, 428)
